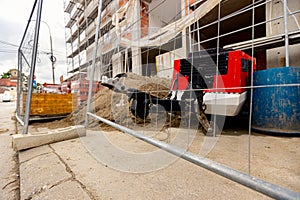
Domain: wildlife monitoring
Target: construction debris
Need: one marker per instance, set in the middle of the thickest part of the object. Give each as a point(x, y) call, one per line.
point(112, 105)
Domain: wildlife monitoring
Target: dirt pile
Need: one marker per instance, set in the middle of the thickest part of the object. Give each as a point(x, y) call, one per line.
point(114, 106)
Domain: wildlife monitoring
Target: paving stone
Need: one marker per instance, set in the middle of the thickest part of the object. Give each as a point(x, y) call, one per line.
point(40, 173)
point(65, 190)
point(31, 153)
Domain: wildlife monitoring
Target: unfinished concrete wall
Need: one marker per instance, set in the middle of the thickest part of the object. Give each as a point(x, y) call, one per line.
point(165, 62)
point(117, 63)
point(144, 19)
point(276, 56)
point(164, 12)
point(136, 35)
point(89, 56)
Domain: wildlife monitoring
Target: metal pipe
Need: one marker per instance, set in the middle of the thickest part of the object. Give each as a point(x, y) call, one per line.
point(79, 62)
point(256, 184)
point(27, 26)
point(232, 15)
point(19, 120)
point(32, 69)
point(20, 54)
point(24, 57)
point(286, 33)
point(72, 50)
point(94, 64)
point(217, 68)
point(294, 12)
point(19, 81)
point(251, 90)
point(241, 29)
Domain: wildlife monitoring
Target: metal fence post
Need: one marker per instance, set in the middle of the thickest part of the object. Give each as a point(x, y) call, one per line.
point(32, 66)
point(94, 64)
point(286, 33)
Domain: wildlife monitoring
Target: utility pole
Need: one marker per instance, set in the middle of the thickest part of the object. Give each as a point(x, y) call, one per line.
point(52, 58)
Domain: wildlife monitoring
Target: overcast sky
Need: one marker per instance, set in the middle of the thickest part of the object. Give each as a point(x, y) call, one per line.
point(14, 15)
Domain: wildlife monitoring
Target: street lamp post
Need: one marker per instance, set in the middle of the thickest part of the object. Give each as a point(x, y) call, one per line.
point(52, 58)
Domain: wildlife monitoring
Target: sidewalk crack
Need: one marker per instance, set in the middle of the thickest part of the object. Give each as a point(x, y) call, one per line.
point(34, 157)
point(73, 177)
point(8, 184)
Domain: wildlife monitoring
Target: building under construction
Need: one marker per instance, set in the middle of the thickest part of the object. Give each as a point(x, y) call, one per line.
point(158, 37)
point(218, 55)
point(146, 36)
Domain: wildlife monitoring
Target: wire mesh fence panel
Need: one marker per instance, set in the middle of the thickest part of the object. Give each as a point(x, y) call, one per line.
point(28, 56)
point(186, 73)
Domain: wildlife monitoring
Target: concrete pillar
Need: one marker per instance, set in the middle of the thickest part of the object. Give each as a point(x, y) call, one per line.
point(276, 56)
point(136, 35)
point(117, 62)
point(184, 33)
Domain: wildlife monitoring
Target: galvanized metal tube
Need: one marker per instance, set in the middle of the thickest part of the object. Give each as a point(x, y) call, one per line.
point(251, 90)
point(19, 120)
point(21, 57)
point(24, 57)
point(94, 64)
point(256, 184)
point(27, 26)
point(19, 82)
point(20, 67)
point(286, 33)
point(32, 69)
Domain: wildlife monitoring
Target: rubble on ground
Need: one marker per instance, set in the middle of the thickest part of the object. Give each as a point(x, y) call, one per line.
point(114, 106)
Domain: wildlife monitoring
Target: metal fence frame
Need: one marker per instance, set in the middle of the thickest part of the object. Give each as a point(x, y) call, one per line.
point(259, 185)
point(24, 120)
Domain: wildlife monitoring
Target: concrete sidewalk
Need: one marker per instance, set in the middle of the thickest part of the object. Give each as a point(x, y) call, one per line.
point(9, 176)
point(68, 170)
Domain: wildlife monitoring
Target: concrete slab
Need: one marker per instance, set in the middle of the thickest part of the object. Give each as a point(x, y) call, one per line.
point(180, 180)
point(79, 173)
point(40, 173)
point(21, 141)
point(9, 176)
point(65, 190)
point(34, 152)
point(8, 169)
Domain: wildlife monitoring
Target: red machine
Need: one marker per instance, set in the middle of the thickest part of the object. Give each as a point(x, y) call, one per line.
point(207, 82)
point(224, 88)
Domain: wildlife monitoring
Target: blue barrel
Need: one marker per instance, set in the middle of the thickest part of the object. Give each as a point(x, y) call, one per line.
point(276, 110)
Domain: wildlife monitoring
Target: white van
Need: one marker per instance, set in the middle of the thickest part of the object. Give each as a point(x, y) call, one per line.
point(6, 96)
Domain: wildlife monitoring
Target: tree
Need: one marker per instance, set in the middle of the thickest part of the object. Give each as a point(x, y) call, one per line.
point(6, 74)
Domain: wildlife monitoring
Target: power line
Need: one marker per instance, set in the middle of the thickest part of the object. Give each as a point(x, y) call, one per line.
point(42, 51)
point(8, 43)
point(8, 51)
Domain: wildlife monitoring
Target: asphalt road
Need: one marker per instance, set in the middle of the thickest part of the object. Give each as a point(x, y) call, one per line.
point(9, 175)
